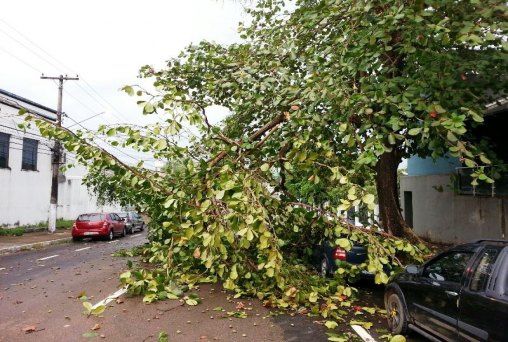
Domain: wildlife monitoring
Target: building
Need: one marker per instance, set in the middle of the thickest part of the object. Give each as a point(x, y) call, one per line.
point(440, 203)
point(25, 170)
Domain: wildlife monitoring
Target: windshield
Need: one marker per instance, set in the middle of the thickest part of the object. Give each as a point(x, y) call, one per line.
point(91, 217)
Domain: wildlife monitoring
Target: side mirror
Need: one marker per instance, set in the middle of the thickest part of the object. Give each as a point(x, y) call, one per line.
point(412, 269)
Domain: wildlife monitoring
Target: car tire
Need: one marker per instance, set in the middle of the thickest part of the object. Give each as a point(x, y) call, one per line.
point(111, 235)
point(124, 232)
point(76, 238)
point(396, 314)
point(324, 267)
point(142, 227)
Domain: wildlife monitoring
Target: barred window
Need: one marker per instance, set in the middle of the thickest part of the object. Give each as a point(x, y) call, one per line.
point(29, 161)
point(4, 150)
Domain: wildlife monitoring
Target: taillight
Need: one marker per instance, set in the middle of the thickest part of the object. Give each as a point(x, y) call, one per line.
point(74, 225)
point(339, 254)
point(105, 224)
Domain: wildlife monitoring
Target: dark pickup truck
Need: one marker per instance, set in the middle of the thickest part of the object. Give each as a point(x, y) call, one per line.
point(459, 295)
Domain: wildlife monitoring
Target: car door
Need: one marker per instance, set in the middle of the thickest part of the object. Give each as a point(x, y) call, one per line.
point(136, 220)
point(481, 307)
point(435, 299)
point(117, 222)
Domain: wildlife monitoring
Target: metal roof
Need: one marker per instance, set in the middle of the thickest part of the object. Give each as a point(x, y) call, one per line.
point(27, 101)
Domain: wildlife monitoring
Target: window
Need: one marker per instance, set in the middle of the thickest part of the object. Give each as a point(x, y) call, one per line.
point(482, 273)
point(4, 150)
point(450, 267)
point(29, 161)
point(91, 217)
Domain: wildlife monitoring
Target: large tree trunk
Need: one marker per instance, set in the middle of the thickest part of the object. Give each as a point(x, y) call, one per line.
point(390, 215)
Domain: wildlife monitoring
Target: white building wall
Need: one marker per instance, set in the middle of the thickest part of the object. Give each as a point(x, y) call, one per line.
point(443, 216)
point(24, 195)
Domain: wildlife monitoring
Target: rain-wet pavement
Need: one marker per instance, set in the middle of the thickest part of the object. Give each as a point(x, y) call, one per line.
point(39, 293)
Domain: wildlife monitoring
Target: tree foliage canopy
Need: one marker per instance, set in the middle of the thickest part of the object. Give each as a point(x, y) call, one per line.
point(317, 89)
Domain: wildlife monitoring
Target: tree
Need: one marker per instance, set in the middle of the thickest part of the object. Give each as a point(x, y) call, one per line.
point(369, 82)
point(338, 91)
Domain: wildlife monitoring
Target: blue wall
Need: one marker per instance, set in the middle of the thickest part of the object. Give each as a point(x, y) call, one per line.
point(417, 166)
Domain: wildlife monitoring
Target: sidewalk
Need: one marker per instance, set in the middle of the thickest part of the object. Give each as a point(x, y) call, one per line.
point(10, 244)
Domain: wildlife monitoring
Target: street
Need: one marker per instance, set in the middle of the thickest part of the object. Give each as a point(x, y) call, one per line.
point(39, 301)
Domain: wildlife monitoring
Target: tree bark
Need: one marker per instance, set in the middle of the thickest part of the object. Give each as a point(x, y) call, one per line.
point(390, 215)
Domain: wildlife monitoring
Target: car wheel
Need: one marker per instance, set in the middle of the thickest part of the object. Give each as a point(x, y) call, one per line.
point(124, 232)
point(396, 313)
point(76, 238)
point(111, 235)
point(324, 267)
point(142, 227)
point(130, 230)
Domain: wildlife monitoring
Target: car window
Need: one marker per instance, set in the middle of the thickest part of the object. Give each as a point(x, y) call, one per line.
point(122, 215)
point(91, 217)
point(483, 271)
point(449, 267)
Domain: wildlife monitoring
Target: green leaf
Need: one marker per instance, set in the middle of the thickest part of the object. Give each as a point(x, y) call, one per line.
point(161, 144)
point(343, 243)
point(313, 297)
point(331, 324)
point(414, 131)
point(191, 302)
point(219, 194)
point(398, 338)
point(125, 275)
point(368, 199)
point(90, 335)
point(98, 310)
point(88, 306)
point(205, 205)
point(148, 108)
point(469, 162)
point(129, 90)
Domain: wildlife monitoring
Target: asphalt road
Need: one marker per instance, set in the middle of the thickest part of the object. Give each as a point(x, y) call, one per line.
point(39, 292)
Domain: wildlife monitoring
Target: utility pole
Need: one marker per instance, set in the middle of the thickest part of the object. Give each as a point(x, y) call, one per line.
point(56, 153)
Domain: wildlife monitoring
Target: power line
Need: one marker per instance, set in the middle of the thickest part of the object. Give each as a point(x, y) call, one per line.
point(20, 60)
point(120, 116)
point(20, 149)
point(114, 147)
point(29, 49)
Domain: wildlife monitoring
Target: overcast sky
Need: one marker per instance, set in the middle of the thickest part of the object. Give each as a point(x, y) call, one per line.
point(105, 43)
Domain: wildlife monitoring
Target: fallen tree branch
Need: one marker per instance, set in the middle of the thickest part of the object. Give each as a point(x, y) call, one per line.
point(283, 117)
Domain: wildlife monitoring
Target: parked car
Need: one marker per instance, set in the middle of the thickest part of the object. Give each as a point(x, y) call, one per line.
point(327, 256)
point(132, 221)
point(98, 225)
point(459, 295)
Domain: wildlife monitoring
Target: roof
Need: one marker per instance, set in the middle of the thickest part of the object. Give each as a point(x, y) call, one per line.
point(27, 101)
point(474, 245)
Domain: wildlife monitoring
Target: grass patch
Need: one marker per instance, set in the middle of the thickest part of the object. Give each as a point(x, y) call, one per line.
point(61, 224)
point(64, 224)
point(12, 232)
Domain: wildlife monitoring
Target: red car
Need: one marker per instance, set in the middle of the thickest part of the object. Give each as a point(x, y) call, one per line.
point(98, 225)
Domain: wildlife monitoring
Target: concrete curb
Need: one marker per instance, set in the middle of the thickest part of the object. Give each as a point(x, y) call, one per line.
point(35, 245)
